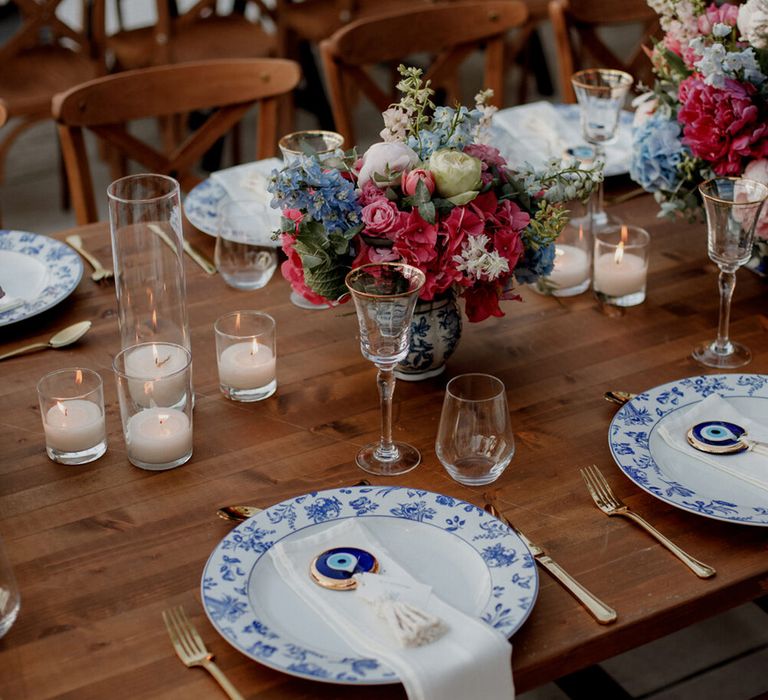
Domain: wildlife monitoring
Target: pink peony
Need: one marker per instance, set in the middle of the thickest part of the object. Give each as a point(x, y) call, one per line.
point(722, 125)
point(758, 170)
point(488, 155)
point(410, 180)
point(382, 217)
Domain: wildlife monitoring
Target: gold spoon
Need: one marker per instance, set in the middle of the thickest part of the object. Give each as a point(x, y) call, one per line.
point(238, 513)
point(66, 336)
point(618, 397)
point(99, 271)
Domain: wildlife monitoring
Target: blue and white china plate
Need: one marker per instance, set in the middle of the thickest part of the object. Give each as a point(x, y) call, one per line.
point(39, 271)
point(539, 131)
point(672, 476)
point(202, 203)
point(471, 560)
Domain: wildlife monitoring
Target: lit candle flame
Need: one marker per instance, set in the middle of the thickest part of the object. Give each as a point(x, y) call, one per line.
point(624, 233)
point(254, 347)
point(156, 357)
point(618, 256)
point(62, 408)
point(237, 323)
point(154, 319)
point(78, 376)
point(581, 232)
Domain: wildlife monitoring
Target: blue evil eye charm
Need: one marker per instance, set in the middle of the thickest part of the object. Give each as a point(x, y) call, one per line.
point(718, 437)
point(335, 568)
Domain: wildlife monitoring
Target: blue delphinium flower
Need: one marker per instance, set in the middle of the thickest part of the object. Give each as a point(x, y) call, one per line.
point(657, 151)
point(537, 262)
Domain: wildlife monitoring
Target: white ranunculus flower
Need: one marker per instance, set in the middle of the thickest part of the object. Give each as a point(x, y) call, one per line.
point(457, 175)
point(384, 162)
point(753, 23)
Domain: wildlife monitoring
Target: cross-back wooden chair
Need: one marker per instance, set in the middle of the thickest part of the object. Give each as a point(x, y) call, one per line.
point(575, 24)
point(230, 87)
point(449, 33)
point(44, 56)
point(201, 32)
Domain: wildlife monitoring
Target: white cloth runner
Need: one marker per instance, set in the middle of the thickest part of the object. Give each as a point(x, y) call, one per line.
point(535, 132)
point(471, 660)
point(746, 466)
point(248, 183)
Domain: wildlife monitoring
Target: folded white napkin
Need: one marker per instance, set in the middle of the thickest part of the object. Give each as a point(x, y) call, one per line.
point(746, 466)
point(248, 183)
point(468, 660)
point(8, 302)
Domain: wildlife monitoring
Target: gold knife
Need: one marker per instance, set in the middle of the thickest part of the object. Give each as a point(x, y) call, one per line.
point(599, 610)
point(197, 256)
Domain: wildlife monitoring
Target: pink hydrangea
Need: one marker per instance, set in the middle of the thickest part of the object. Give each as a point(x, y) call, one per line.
point(293, 271)
point(722, 125)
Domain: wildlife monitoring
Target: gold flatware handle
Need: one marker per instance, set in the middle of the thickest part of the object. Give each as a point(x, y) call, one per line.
point(604, 614)
point(199, 258)
point(24, 350)
point(221, 679)
point(698, 568)
point(77, 243)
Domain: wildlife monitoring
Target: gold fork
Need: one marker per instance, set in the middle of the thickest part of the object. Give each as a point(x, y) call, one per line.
point(190, 648)
point(611, 505)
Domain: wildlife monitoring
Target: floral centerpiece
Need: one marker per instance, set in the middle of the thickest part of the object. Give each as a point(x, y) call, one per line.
point(431, 194)
point(707, 113)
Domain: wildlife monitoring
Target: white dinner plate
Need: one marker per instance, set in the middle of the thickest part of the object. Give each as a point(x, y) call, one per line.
point(203, 202)
point(536, 132)
point(37, 270)
point(671, 476)
point(471, 560)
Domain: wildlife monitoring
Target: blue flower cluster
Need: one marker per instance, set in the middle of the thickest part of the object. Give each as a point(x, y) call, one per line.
point(448, 129)
point(322, 193)
point(656, 153)
point(537, 262)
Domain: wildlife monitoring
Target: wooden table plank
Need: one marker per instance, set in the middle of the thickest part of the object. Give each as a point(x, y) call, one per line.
point(100, 550)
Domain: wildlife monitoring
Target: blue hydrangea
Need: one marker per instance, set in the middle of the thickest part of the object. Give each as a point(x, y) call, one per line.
point(537, 262)
point(656, 153)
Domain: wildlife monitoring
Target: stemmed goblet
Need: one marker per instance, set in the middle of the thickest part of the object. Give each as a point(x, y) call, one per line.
point(385, 295)
point(601, 93)
point(733, 206)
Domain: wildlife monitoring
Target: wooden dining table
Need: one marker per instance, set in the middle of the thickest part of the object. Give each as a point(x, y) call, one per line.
point(100, 550)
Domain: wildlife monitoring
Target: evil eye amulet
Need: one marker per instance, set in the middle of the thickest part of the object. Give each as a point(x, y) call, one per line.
point(717, 437)
point(336, 567)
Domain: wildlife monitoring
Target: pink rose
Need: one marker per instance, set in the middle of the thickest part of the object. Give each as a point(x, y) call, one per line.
point(370, 192)
point(411, 178)
point(758, 170)
point(383, 217)
point(722, 125)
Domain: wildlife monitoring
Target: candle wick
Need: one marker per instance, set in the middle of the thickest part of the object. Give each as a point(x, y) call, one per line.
point(160, 363)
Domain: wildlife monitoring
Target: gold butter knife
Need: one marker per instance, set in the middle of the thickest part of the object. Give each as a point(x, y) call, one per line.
point(599, 610)
point(193, 253)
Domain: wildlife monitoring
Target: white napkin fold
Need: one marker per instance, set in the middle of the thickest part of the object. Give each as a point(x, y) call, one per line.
point(248, 183)
point(8, 302)
point(749, 467)
point(470, 660)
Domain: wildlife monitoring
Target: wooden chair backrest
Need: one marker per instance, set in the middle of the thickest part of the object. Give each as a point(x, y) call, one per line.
point(39, 20)
point(448, 32)
point(578, 45)
point(3, 113)
point(106, 105)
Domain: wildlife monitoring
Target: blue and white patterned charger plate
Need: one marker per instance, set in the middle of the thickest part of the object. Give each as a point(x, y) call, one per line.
point(671, 476)
point(471, 560)
point(39, 270)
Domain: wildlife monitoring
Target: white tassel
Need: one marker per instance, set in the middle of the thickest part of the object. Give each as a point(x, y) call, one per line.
point(411, 626)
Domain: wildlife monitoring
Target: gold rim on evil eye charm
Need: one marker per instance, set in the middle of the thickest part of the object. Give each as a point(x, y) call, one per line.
point(335, 568)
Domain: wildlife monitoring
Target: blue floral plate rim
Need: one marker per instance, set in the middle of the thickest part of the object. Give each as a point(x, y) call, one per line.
point(632, 427)
point(226, 576)
point(64, 265)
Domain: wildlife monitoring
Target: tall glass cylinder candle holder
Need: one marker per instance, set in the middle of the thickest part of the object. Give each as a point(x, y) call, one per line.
point(72, 408)
point(154, 386)
point(246, 352)
point(621, 265)
point(147, 249)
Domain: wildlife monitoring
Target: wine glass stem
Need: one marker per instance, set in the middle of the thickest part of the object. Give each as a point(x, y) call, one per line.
point(386, 451)
point(599, 216)
point(726, 282)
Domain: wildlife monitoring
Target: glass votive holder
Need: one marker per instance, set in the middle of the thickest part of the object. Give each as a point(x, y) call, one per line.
point(572, 272)
point(475, 442)
point(72, 409)
point(621, 265)
point(245, 253)
point(246, 351)
point(310, 143)
point(154, 386)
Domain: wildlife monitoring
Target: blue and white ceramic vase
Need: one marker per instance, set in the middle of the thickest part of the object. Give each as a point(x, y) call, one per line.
point(435, 333)
point(758, 263)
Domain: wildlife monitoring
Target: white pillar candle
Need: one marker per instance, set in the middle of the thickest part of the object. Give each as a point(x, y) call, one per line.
point(74, 425)
point(247, 365)
point(571, 266)
point(619, 274)
point(158, 436)
point(156, 362)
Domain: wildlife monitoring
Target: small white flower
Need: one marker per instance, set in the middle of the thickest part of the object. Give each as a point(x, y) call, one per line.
point(753, 23)
point(478, 262)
